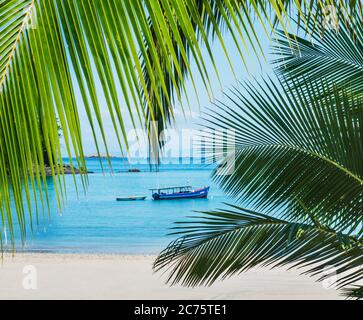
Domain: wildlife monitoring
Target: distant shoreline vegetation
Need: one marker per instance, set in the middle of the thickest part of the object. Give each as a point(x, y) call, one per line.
point(67, 169)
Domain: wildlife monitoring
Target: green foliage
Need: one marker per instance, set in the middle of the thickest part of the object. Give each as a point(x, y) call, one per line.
point(329, 57)
point(297, 167)
point(222, 243)
point(354, 292)
point(290, 150)
point(298, 163)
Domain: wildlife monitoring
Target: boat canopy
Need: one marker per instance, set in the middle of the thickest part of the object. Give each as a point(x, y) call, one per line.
point(172, 189)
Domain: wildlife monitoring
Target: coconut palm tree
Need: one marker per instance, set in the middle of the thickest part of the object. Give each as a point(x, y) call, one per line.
point(297, 174)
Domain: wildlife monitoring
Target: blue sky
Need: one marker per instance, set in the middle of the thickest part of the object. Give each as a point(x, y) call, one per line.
point(256, 68)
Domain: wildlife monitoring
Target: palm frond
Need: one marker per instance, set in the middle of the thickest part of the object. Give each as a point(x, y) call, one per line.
point(354, 292)
point(175, 73)
point(335, 56)
point(289, 151)
point(14, 15)
point(222, 243)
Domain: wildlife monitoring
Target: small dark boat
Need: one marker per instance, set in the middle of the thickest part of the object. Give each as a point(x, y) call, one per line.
point(136, 198)
point(135, 170)
point(176, 193)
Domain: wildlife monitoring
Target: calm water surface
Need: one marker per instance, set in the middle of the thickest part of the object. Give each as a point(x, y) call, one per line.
point(97, 223)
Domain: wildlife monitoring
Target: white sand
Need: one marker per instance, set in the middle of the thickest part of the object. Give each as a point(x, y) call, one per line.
point(131, 277)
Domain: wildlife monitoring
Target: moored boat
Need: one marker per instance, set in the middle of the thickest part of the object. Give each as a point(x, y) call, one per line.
point(135, 198)
point(176, 193)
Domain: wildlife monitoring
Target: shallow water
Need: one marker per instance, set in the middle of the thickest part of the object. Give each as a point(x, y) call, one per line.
point(97, 223)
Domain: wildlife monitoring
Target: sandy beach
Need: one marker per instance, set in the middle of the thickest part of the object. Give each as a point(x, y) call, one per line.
point(75, 276)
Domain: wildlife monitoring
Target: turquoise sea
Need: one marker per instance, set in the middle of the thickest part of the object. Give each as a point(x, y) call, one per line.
point(96, 223)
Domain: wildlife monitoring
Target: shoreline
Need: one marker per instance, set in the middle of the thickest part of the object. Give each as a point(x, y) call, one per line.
point(120, 276)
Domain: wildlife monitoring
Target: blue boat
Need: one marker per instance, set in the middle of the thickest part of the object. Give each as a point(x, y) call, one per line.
point(176, 193)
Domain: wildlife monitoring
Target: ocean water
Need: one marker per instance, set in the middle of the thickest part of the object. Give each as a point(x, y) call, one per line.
point(96, 223)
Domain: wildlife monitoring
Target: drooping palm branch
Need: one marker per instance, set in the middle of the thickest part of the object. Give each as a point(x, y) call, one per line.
point(222, 243)
point(297, 161)
point(289, 150)
point(174, 74)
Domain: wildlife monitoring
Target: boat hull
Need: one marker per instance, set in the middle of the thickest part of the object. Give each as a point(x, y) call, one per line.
point(196, 194)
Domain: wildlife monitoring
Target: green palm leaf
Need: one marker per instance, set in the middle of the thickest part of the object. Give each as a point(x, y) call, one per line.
point(290, 151)
point(354, 292)
point(335, 56)
point(222, 243)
